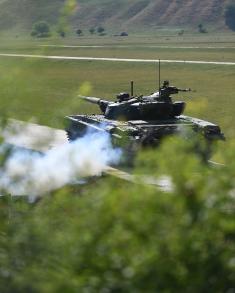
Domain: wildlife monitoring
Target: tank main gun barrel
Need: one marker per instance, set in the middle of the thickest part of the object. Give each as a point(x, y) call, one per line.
point(92, 100)
point(185, 90)
point(103, 104)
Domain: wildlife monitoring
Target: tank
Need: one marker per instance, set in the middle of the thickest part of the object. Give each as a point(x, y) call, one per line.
point(141, 120)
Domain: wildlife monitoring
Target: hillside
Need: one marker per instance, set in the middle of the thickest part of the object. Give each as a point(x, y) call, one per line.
point(132, 13)
point(23, 13)
point(114, 14)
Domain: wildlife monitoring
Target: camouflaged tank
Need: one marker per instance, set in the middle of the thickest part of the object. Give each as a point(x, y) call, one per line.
point(143, 119)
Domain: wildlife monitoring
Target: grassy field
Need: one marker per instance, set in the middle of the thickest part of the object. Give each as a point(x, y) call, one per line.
point(202, 54)
point(47, 90)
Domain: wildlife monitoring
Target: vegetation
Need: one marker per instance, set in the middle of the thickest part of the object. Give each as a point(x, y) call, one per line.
point(230, 15)
point(116, 236)
point(41, 30)
point(181, 32)
point(202, 29)
point(79, 32)
point(100, 30)
point(18, 15)
point(61, 32)
point(124, 34)
point(92, 30)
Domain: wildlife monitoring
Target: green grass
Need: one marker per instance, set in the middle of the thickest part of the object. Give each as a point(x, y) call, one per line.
point(47, 89)
point(135, 52)
point(144, 38)
point(222, 47)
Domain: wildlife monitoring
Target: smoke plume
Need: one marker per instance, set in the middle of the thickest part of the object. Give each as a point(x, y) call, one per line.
point(30, 173)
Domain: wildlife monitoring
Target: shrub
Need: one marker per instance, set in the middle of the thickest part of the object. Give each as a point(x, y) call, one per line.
point(41, 30)
point(124, 34)
point(100, 30)
point(79, 32)
point(61, 32)
point(181, 32)
point(92, 31)
point(114, 236)
point(202, 29)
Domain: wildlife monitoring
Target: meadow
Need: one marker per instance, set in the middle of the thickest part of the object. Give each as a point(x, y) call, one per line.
point(47, 90)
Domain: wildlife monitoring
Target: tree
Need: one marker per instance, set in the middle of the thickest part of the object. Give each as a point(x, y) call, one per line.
point(100, 30)
point(202, 29)
point(41, 29)
point(230, 16)
point(61, 33)
point(181, 32)
point(79, 32)
point(92, 30)
point(124, 34)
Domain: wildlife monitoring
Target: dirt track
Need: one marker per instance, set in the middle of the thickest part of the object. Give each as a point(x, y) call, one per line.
point(137, 46)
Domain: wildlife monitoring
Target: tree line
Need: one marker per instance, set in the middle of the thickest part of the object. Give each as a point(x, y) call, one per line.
point(42, 29)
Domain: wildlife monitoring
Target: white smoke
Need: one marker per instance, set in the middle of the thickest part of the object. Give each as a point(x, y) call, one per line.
point(30, 173)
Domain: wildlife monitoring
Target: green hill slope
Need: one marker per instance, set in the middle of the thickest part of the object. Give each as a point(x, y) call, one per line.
point(115, 14)
point(22, 13)
point(152, 12)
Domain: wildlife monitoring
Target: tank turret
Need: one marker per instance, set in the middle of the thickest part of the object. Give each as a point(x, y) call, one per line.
point(137, 108)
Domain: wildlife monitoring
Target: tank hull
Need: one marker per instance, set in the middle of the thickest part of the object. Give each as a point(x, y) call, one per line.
point(142, 131)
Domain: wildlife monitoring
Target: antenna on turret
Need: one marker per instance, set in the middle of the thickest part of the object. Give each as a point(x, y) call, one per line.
point(132, 88)
point(159, 76)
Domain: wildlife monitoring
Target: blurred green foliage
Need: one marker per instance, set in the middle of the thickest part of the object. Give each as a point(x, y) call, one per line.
point(114, 236)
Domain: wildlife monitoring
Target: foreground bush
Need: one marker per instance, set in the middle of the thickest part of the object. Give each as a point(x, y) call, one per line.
point(113, 236)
